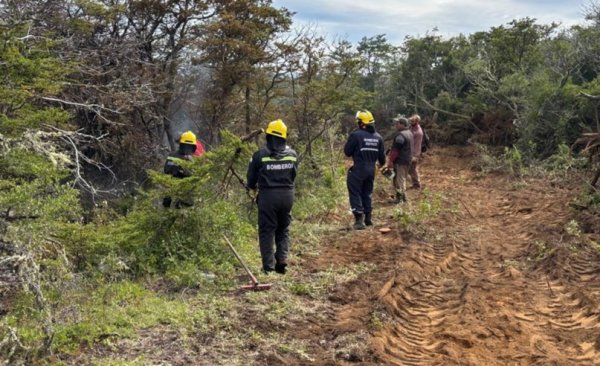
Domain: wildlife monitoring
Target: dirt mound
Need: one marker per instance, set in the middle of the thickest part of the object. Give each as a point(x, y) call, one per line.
point(492, 280)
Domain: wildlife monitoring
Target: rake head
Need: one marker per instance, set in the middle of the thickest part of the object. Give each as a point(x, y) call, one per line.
point(256, 287)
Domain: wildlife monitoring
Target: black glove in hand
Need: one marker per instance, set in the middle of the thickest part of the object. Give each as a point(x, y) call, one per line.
point(386, 172)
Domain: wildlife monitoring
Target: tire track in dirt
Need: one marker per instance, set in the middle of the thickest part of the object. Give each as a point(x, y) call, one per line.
point(423, 308)
point(501, 230)
point(467, 293)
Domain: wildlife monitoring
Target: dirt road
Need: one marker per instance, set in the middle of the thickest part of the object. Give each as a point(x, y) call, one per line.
point(498, 277)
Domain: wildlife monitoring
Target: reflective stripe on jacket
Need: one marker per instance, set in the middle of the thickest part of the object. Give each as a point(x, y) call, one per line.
point(272, 169)
point(173, 167)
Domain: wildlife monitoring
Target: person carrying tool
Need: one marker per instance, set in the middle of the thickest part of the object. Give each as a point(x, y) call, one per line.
point(187, 147)
point(400, 157)
point(272, 170)
point(365, 146)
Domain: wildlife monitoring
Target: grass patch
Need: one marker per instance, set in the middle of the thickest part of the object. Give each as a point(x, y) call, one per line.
point(119, 310)
point(319, 284)
point(415, 213)
point(510, 263)
point(596, 246)
point(138, 361)
point(296, 348)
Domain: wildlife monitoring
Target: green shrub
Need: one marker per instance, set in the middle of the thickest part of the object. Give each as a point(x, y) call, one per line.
point(320, 185)
point(513, 160)
point(415, 213)
point(563, 162)
point(519, 163)
point(152, 239)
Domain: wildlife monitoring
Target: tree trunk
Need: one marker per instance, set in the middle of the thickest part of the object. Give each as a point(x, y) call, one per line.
point(169, 133)
point(247, 106)
point(597, 117)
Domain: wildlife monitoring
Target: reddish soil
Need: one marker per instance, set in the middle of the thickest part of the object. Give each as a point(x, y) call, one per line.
point(494, 279)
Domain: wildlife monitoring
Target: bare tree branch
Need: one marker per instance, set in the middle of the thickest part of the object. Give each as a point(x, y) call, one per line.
point(93, 107)
point(590, 96)
point(74, 139)
point(461, 116)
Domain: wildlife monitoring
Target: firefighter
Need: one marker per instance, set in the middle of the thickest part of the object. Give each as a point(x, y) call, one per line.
point(365, 146)
point(272, 170)
point(187, 147)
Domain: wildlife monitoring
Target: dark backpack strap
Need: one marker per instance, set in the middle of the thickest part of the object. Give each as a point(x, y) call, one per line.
point(426, 144)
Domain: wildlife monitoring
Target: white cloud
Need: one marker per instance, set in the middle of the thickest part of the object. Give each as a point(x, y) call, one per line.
point(398, 18)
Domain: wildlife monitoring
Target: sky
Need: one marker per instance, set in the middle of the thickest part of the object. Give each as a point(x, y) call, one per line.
point(353, 20)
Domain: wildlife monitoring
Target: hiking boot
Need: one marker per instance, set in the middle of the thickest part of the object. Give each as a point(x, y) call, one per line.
point(368, 221)
point(400, 198)
point(280, 268)
point(359, 223)
point(268, 269)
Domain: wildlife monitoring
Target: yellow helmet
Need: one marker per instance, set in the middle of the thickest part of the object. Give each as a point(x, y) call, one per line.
point(188, 137)
point(365, 117)
point(277, 128)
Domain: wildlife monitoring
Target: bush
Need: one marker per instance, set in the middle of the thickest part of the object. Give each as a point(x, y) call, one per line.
point(416, 213)
point(515, 162)
point(152, 239)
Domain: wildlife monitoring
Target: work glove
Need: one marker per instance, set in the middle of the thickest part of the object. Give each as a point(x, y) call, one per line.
point(387, 172)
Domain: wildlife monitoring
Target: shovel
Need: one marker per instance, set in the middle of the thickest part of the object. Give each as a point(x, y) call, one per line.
point(253, 285)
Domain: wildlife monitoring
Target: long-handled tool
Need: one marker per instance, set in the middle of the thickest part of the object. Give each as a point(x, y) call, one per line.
point(253, 285)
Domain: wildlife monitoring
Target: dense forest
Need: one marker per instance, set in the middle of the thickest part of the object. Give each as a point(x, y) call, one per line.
point(95, 93)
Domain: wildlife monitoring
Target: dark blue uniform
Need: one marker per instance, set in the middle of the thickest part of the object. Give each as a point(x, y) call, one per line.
point(273, 170)
point(173, 168)
point(365, 146)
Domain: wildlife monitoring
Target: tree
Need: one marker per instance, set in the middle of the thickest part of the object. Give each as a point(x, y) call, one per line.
point(324, 86)
point(232, 45)
point(376, 53)
point(125, 58)
point(37, 178)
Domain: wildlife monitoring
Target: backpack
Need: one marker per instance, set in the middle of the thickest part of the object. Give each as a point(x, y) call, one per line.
point(426, 143)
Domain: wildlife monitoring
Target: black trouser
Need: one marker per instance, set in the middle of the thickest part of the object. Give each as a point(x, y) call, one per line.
point(178, 203)
point(360, 188)
point(274, 207)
